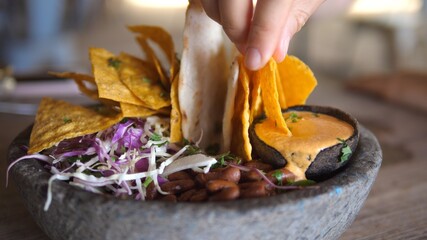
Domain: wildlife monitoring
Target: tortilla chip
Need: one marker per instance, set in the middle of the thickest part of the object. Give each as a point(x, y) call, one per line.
point(175, 114)
point(270, 96)
point(105, 67)
point(164, 40)
point(297, 79)
point(133, 66)
point(58, 120)
point(132, 110)
point(152, 95)
point(255, 97)
point(240, 142)
point(280, 91)
point(227, 126)
point(86, 85)
point(202, 78)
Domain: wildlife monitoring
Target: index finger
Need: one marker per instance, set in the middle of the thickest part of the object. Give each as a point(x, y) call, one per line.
point(265, 31)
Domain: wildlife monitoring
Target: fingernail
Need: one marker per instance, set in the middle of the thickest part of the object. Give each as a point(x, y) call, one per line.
point(252, 59)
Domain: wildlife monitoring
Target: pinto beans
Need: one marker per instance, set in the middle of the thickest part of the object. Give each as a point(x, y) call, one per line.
point(229, 174)
point(178, 186)
point(181, 175)
point(286, 175)
point(255, 189)
point(222, 190)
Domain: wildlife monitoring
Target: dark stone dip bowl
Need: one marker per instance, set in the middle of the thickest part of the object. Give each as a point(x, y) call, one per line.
point(327, 163)
point(317, 213)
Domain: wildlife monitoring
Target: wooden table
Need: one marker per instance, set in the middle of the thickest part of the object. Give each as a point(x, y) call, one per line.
point(395, 209)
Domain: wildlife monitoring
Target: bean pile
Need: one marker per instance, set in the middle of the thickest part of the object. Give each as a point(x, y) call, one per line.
point(220, 184)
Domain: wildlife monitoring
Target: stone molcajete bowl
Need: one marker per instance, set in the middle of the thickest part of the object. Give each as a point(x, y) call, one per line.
point(316, 213)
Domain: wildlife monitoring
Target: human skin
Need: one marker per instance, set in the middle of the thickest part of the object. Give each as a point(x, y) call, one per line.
point(263, 30)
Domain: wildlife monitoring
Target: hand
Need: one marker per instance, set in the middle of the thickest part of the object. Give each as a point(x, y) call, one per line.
point(265, 32)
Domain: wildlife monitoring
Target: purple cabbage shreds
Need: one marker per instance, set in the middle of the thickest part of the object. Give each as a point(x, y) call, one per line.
point(121, 160)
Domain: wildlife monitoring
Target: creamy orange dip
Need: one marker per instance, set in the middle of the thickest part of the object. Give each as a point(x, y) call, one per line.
point(311, 133)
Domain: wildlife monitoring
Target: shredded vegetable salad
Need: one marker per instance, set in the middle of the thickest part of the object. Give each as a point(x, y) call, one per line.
point(121, 160)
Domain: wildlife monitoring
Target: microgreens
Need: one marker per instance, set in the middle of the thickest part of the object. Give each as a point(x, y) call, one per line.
point(67, 120)
point(279, 176)
point(293, 117)
point(114, 62)
point(345, 151)
point(147, 181)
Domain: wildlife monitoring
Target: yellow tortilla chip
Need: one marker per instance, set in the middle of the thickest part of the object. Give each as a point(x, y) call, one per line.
point(240, 143)
point(105, 67)
point(86, 85)
point(159, 36)
point(131, 110)
point(133, 66)
point(142, 80)
point(164, 40)
point(297, 79)
point(270, 96)
point(255, 97)
point(280, 91)
point(58, 120)
point(175, 114)
point(152, 95)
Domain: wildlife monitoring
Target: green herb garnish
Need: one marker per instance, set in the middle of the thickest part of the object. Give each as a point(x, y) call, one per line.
point(293, 117)
point(345, 151)
point(316, 114)
point(278, 175)
point(224, 158)
point(147, 181)
point(191, 150)
point(114, 62)
point(67, 120)
point(146, 80)
point(155, 137)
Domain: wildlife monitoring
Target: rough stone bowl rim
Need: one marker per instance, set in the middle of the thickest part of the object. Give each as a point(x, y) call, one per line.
point(60, 187)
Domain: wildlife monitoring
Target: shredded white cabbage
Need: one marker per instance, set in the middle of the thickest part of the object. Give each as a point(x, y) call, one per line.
point(124, 177)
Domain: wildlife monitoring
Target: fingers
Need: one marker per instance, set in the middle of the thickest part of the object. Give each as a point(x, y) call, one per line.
point(298, 16)
point(234, 16)
point(268, 34)
point(211, 9)
point(235, 19)
point(267, 26)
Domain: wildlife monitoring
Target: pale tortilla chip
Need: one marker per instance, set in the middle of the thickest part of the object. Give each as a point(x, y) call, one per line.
point(58, 120)
point(227, 126)
point(203, 78)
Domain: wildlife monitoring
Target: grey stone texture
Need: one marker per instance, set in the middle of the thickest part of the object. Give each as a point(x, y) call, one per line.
point(321, 213)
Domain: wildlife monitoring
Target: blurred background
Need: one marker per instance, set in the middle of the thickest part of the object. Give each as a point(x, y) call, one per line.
point(369, 56)
point(345, 39)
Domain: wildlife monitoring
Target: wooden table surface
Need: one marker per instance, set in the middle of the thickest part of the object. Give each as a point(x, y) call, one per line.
point(395, 209)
